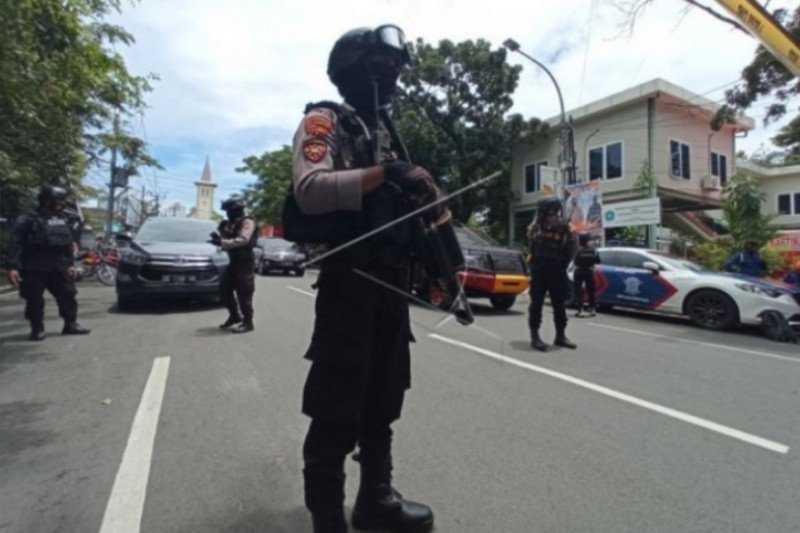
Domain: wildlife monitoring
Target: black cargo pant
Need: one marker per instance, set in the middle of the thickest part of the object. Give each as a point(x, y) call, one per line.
point(356, 385)
point(238, 286)
point(584, 277)
point(552, 280)
point(59, 284)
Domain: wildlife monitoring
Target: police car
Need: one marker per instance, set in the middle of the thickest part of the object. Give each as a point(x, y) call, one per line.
point(651, 280)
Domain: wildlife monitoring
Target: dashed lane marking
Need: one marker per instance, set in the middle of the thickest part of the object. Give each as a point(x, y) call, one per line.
point(666, 411)
point(123, 512)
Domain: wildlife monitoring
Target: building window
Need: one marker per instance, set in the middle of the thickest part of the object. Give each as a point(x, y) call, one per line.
point(679, 160)
point(533, 176)
point(605, 162)
point(719, 167)
point(789, 203)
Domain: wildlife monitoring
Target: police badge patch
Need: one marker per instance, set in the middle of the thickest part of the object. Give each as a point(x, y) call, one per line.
point(315, 150)
point(318, 125)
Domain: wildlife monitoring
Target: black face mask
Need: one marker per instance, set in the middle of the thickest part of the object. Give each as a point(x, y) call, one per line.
point(235, 214)
point(358, 86)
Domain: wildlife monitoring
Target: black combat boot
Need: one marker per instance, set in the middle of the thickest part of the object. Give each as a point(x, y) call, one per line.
point(37, 332)
point(563, 341)
point(232, 321)
point(537, 343)
point(324, 494)
point(380, 506)
point(244, 327)
point(73, 328)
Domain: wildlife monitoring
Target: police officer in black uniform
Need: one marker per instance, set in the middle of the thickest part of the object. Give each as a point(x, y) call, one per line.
point(552, 246)
point(351, 173)
point(42, 257)
point(237, 235)
point(583, 276)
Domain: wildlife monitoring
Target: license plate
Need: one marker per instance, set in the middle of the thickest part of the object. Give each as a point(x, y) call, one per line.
point(180, 278)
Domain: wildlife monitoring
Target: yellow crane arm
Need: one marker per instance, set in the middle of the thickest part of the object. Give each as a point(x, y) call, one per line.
point(766, 29)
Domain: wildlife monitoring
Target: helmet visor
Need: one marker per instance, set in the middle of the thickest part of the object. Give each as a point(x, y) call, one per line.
point(391, 36)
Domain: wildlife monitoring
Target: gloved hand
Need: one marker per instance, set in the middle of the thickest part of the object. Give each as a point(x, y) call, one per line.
point(416, 182)
point(411, 179)
point(216, 239)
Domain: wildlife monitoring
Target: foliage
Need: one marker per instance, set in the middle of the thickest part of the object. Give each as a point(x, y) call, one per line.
point(631, 234)
point(452, 111)
point(646, 180)
point(766, 76)
point(714, 254)
point(61, 82)
point(273, 172)
point(742, 212)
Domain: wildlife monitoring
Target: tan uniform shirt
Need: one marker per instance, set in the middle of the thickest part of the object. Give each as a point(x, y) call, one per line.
point(320, 187)
point(243, 238)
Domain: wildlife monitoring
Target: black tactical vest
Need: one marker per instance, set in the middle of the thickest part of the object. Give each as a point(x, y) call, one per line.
point(586, 258)
point(548, 245)
point(48, 242)
point(356, 149)
point(242, 255)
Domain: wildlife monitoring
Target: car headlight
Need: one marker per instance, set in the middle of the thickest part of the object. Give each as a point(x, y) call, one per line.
point(757, 289)
point(132, 257)
point(478, 262)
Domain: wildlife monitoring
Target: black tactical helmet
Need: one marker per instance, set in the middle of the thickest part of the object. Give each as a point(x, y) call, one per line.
point(549, 205)
point(352, 50)
point(234, 203)
point(49, 193)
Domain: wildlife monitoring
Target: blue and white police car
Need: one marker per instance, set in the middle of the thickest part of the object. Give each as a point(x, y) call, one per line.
point(646, 279)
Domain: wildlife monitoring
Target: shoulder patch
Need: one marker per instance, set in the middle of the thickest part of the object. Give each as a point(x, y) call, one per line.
point(315, 150)
point(318, 125)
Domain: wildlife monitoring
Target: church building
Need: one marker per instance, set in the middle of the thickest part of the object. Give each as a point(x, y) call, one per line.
point(204, 208)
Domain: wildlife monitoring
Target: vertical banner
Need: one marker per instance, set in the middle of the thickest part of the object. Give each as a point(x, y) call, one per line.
point(583, 208)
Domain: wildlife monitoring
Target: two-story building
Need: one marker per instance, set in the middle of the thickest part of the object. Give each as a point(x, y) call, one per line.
point(781, 189)
point(656, 125)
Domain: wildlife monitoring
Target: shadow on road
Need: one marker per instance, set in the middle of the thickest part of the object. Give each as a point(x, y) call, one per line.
point(17, 431)
point(165, 306)
point(211, 331)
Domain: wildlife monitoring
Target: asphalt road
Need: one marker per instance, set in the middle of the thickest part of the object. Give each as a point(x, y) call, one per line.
point(158, 422)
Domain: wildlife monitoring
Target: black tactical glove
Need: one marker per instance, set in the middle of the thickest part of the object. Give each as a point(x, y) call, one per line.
point(416, 182)
point(216, 239)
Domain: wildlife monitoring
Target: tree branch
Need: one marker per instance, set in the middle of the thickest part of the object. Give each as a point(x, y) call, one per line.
point(716, 14)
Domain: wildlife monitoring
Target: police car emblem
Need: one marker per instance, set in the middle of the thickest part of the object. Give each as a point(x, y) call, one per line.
point(632, 286)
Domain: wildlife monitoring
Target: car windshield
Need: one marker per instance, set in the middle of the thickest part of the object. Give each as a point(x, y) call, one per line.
point(468, 238)
point(277, 245)
point(176, 230)
point(680, 264)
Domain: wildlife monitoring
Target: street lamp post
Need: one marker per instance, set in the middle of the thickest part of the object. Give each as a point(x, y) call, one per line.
point(567, 137)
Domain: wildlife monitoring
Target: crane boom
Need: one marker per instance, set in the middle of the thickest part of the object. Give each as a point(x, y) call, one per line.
point(761, 25)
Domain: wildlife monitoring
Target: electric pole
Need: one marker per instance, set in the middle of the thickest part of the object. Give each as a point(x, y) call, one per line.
point(113, 182)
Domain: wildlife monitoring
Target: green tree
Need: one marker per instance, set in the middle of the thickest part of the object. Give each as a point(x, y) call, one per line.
point(273, 172)
point(742, 212)
point(452, 111)
point(61, 84)
point(765, 76)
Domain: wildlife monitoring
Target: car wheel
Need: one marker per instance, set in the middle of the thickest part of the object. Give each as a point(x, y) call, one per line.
point(604, 308)
point(503, 302)
point(712, 309)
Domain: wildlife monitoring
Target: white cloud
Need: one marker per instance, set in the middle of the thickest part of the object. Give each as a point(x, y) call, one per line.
point(235, 76)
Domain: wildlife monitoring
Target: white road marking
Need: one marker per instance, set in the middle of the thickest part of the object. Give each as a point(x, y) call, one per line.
point(123, 512)
point(667, 411)
point(301, 291)
point(699, 343)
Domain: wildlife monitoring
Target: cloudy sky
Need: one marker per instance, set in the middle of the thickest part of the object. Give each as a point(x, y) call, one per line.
point(235, 75)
